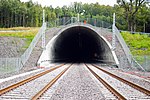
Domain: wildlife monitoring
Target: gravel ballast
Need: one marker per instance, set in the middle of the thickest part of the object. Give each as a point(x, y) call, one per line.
point(145, 83)
point(77, 85)
point(16, 78)
point(124, 89)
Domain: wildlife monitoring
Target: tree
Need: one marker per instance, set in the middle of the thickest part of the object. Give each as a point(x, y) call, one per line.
point(131, 8)
point(77, 7)
point(88, 9)
point(121, 22)
point(66, 12)
point(129, 15)
point(58, 12)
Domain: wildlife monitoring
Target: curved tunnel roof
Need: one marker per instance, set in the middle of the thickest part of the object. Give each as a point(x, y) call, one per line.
point(81, 43)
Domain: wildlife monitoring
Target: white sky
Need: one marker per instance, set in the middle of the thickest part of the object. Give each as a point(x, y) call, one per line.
point(61, 3)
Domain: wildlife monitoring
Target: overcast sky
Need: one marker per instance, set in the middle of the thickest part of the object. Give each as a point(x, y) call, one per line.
point(60, 3)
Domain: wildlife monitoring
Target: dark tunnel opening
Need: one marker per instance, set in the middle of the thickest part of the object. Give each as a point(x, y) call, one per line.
point(80, 44)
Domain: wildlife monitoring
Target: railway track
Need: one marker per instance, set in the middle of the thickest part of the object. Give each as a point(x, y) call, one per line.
point(41, 86)
point(41, 92)
point(121, 88)
point(29, 87)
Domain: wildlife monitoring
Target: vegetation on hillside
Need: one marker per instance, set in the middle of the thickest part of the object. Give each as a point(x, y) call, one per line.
point(14, 13)
point(139, 44)
point(16, 29)
point(26, 33)
point(132, 10)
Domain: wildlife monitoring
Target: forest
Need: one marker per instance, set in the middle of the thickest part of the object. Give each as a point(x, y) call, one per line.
point(133, 15)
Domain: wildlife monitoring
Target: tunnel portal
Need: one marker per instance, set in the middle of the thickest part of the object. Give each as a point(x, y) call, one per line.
point(80, 44)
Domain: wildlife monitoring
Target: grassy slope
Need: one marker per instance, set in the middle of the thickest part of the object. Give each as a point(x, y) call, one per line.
point(139, 44)
point(27, 33)
point(16, 28)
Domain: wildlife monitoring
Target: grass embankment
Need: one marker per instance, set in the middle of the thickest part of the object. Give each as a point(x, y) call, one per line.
point(16, 28)
point(20, 32)
point(139, 44)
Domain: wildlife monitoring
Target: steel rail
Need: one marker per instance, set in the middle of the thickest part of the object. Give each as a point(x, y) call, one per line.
point(109, 87)
point(7, 89)
point(135, 86)
point(42, 91)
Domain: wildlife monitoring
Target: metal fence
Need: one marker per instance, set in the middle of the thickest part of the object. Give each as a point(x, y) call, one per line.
point(135, 32)
point(144, 61)
point(27, 53)
point(69, 20)
point(8, 65)
point(96, 22)
point(124, 64)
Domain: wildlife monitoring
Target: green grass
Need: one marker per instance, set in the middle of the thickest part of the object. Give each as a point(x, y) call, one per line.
point(16, 28)
point(28, 34)
point(139, 44)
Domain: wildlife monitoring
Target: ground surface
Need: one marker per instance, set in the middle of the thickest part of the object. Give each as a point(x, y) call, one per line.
point(11, 47)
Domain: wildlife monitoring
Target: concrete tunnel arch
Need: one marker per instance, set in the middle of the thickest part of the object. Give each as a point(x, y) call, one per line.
point(81, 43)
